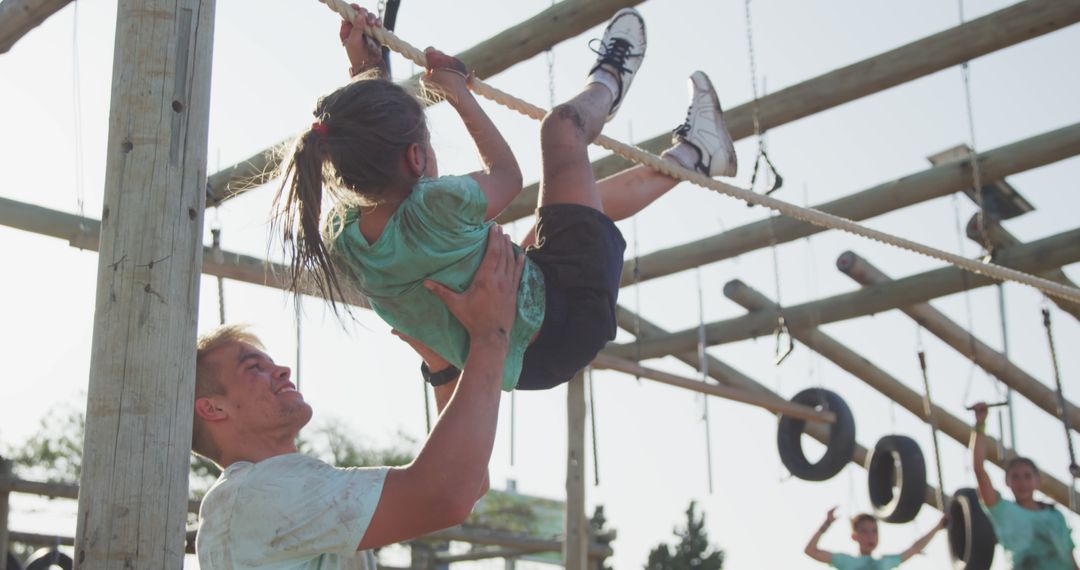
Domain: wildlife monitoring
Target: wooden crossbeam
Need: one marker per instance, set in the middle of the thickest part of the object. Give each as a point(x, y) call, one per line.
point(1054, 251)
point(997, 30)
point(18, 17)
point(892, 388)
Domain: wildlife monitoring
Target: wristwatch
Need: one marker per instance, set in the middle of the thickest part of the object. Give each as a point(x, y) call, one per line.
point(444, 376)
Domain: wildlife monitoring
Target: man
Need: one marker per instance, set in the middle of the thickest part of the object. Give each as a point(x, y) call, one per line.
point(275, 508)
point(864, 531)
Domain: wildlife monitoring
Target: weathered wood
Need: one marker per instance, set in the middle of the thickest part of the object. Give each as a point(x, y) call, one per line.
point(5, 473)
point(56, 490)
point(785, 407)
point(881, 381)
point(576, 533)
point(18, 17)
point(721, 372)
point(1055, 251)
point(913, 189)
point(137, 448)
point(1000, 238)
point(84, 233)
point(486, 554)
point(997, 30)
point(490, 57)
point(967, 344)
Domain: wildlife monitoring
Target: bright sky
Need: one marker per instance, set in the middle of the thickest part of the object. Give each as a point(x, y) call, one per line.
point(273, 59)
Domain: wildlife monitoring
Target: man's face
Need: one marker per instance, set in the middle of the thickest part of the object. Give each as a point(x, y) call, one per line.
point(866, 534)
point(259, 395)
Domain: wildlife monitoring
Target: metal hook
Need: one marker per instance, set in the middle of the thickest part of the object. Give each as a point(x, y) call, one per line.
point(779, 333)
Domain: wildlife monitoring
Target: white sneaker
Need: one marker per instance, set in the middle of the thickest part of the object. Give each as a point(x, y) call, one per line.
point(705, 131)
point(621, 51)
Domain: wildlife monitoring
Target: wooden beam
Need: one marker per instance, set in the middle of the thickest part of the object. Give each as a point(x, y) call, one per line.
point(576, 533)
point(137, 447)
point(1055, 251)
point(57, 490)
point(784, 407)
point(485, 554)
point(864, 273)
point(84, 233)
point(881, 381)
point(934, 182)
point(721, 372)
point(997, 30)
point(490, 57)
point(1000, 238)
point(18, 17)
point(512, 540)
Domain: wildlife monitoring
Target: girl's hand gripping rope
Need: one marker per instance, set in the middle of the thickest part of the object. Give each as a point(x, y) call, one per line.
point(446, 74)
point(363, 51)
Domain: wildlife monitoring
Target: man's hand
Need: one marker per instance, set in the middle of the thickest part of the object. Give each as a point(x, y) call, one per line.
point(363, 51)
point(488, 307)
point(980, 410)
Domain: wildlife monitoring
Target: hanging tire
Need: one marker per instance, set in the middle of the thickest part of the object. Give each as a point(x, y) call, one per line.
point(47, 558)
point(839, 449)
point(896, 461)
point(971, 536)
point(13, 562)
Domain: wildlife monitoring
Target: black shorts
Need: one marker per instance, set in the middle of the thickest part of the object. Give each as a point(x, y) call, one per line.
point(580, 252)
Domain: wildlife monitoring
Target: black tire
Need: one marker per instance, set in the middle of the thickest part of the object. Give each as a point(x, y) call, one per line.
point(971, 536)
point(47, 558)
point(841, 445)
point(895, 453)
point(13, 562)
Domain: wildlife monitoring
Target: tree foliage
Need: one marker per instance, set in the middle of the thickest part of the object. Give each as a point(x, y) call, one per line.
point(693, 550)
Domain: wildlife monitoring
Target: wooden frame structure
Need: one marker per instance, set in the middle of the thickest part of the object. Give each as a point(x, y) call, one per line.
point(132, 299)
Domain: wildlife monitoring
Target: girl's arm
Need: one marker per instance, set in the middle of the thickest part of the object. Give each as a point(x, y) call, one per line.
point(812, 549)
point(987, 494)
point(500, 179)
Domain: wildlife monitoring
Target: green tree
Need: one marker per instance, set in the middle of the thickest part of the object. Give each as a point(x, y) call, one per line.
point(598, 528)
point(693, 550)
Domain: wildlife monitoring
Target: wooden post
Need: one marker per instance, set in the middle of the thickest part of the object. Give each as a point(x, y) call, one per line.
point(517, 43)
point(5, 473)
point(17, 17)
point(881, 381)
point(997, 30)
point(990, 360)
point(576, 540)
point(1054, 251)
point(1000, 238)
point(133, 499)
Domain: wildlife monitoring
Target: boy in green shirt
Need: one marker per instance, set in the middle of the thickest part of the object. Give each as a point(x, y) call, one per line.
point(864, 531)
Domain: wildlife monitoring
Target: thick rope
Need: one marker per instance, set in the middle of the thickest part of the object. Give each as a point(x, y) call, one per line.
point(808, 215)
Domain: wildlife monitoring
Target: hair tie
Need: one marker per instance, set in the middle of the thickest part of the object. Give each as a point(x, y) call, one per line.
point(320, 128)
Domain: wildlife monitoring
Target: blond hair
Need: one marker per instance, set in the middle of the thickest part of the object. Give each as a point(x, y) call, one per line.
point(208, 382)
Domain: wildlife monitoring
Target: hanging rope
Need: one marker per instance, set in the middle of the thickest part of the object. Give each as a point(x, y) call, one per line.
point(931, 418)
point(973, 161)
point(592, 423)
point(1074, 469)
point(762, 155)
point(808, 215)
point(1005, 352)
point(219, 257)
point(703, 364)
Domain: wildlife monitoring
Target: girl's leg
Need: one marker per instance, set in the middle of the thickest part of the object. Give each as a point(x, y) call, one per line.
point(569, 128)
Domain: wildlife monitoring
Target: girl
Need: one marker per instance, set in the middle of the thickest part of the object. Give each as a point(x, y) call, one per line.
point(1033, 534)
point(397, 229)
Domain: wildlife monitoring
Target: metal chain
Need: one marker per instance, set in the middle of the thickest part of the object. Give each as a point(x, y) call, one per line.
point(703, 364)
point(976, 176)
point(931, 418)
point(1074, 469)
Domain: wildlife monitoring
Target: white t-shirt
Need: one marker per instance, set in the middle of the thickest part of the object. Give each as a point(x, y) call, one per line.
point(289, 512)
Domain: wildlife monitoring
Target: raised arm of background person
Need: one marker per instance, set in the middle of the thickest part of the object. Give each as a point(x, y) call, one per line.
point(812, 549)
point(987, 494)
point(500, 179)
point(439, 488)
point(920, 545)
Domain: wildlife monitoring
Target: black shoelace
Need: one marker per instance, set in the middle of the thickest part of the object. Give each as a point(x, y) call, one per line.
point(615, 53)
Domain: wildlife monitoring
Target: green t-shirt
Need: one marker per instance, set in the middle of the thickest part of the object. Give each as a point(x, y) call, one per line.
point(846, 562)
point(1033, 540)
point(437, 233)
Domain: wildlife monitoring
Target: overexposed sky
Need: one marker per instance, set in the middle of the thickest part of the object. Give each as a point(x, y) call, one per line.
point(272, 59)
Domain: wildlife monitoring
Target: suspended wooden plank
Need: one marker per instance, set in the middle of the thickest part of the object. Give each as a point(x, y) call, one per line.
point(137, 449)
point(997, 30)
point(1055, 251)
point(892, 388)
point(18, 17)
point(490, 57)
